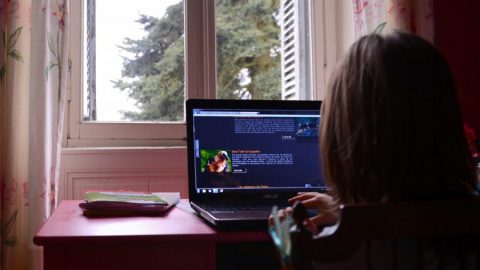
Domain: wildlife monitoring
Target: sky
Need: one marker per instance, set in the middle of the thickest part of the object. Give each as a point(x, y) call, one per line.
point(116, 21)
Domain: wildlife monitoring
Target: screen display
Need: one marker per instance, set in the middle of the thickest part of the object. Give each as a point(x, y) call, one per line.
point(256, 149)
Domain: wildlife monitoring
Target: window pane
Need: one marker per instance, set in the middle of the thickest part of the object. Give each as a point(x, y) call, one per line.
point(263, 49)
point(134, 60)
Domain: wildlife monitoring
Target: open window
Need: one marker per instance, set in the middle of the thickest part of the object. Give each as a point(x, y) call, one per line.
point(133, 66)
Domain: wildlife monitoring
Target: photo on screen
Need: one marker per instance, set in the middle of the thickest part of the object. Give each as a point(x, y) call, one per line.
point(307, 126)
point(216, 161)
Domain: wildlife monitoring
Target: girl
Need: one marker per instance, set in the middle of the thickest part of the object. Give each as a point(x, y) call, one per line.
point(391, 128)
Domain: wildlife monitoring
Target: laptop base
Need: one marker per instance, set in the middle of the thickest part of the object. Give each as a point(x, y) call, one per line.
point(256, 220)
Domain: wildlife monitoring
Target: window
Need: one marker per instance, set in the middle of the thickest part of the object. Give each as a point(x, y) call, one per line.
point(134, 60)
point(142, 64)
point(263, 49)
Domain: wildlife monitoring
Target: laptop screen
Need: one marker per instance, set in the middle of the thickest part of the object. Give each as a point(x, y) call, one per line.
point(239, 146)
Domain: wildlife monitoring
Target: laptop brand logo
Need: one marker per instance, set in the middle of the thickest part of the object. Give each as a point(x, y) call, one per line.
point(270, 196)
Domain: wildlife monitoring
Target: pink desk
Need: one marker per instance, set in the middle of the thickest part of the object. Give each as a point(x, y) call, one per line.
point(178, 240)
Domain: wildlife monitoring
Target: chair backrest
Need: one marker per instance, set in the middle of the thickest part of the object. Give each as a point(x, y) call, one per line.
point(440, 224)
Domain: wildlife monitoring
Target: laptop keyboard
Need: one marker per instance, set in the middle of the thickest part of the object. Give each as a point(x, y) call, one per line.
point(250, 207)
point(244, 207)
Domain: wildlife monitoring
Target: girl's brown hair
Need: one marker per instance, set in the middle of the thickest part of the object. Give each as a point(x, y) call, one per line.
point(391, 126)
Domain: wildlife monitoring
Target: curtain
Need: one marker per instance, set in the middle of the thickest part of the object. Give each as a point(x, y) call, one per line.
point(383, 16)
point(33, 73)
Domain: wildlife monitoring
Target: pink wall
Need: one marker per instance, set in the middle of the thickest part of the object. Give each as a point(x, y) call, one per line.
point(457, 30)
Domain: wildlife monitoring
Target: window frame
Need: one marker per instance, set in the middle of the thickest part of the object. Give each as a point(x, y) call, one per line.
point(200, 76)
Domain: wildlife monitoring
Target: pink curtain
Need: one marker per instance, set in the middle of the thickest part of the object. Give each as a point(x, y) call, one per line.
point(383, 16)
point(33, 72)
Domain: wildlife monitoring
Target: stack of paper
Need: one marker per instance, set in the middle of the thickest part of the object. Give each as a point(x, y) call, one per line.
point(120, 203)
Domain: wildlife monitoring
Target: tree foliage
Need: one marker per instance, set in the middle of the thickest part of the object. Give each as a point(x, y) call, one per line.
point(248, 44)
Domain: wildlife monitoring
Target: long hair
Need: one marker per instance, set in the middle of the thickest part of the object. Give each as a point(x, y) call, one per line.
point(391, 125)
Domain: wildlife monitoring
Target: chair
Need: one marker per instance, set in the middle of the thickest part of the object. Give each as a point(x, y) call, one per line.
point(448, 230)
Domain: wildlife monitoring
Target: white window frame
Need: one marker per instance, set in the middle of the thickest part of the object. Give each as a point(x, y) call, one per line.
point(200, 78)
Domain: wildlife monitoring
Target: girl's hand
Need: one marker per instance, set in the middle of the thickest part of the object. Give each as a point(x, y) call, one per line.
point(328, 210)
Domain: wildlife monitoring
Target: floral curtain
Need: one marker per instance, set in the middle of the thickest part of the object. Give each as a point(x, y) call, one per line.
point(33, 72)
point(383, 16)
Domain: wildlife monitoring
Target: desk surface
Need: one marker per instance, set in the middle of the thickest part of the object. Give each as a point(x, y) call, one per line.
point(73, 241)
point(68, 225)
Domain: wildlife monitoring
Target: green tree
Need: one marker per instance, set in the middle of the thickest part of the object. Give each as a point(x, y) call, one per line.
point(247, 41)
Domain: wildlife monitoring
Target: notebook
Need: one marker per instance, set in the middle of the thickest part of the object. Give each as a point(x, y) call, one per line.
point(127, 203)
point(245, 156)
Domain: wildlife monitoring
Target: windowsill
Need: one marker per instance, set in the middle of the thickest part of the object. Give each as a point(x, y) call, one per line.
point(122, 143)
point(118, 149)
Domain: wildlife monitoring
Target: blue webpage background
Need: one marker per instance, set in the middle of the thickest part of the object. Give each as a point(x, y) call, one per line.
point(218, 133)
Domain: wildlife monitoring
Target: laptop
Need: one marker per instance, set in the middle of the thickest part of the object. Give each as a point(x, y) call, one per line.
point(245, 156)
